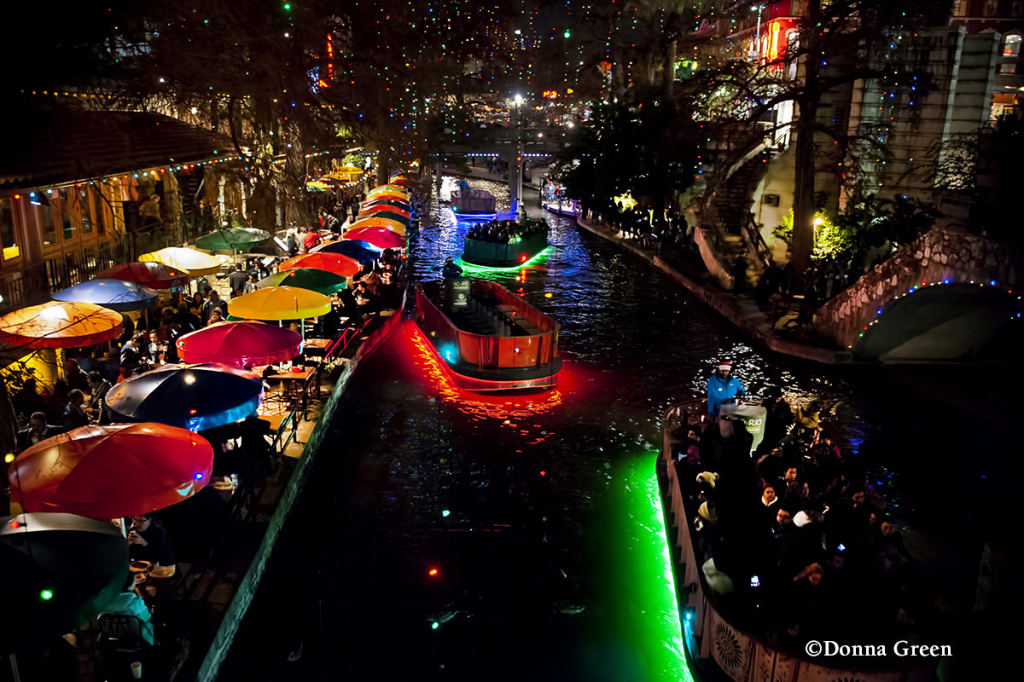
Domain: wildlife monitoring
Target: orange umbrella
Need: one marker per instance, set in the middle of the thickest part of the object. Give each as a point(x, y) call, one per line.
point(58, 324)
point(322, 260)
point(378, 220)
point(385, 208)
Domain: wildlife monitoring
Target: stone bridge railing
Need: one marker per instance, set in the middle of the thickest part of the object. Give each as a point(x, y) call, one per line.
point(939, 255)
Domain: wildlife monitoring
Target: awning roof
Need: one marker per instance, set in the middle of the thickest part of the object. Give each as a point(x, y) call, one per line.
point(45, 148)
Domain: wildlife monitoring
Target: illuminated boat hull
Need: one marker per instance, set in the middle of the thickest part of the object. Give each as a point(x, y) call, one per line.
point(488, 254)
point(486, 337)
point(478, 205)
point(567, 208)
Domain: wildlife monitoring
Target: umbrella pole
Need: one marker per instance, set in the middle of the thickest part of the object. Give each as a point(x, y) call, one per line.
point(14, 668)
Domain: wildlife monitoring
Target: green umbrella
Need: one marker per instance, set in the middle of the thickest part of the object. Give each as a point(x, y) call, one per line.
point(232, 239)
point(320, 281)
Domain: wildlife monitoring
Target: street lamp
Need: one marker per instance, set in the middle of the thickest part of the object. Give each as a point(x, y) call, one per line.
point(519, 157)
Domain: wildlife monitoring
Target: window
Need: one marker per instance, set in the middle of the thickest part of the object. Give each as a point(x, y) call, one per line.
point(85, 206)
point(1007, 68)
point(44, 214)
point(960, 8)
point(7, 233)
point(1011, 48)
point(991, 8)
point(67, 218)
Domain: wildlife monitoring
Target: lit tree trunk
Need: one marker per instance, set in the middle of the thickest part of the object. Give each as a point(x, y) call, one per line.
point(672, 29)
point(618, 79)
point(802, 242)
point(8, 423)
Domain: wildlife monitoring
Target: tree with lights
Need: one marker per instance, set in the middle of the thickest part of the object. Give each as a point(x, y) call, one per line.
point(839, 43)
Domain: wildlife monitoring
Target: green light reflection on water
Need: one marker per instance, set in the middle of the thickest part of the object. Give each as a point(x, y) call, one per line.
point(648, 611)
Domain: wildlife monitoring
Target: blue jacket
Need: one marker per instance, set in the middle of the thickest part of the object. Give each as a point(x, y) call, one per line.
point(720, 390)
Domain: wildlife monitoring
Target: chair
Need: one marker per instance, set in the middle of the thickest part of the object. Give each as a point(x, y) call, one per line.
point(121, 628)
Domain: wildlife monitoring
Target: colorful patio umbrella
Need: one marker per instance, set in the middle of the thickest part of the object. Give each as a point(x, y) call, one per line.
point(387, 200)
point(393, 190)
point(381, 237)
point(150, 274)
point(360, 251)
point(240, 344)
point(279, 303)
point(109, 472)
point(378, 220)
point(113, 294)
point(388, 210)
point(58, 571)
point(60, 325)
point(316, 186)
point(328, 262)
point(191, 261)
point(193, 397)
point(232, 239)
point(401, 181)
point(320, 281)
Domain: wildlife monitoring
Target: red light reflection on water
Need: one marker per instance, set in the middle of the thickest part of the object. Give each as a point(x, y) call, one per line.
point(515, 412)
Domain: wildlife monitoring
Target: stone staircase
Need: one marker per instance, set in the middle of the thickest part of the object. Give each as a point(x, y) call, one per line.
point(728, 216)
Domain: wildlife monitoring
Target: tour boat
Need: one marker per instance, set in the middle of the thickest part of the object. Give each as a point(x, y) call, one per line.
point(566, 207)
point(488, 338)
point(515, 252)
point(476, 204)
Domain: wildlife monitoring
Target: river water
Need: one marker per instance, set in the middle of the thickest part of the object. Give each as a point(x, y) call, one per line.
point(448, 535)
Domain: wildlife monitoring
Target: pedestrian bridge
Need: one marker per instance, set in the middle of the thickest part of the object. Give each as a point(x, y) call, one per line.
point(503, 142)
point(939, 298)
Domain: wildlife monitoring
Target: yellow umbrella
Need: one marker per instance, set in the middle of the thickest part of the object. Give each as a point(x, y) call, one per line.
point(372, 220)
point(279, 303)
point(388, 189)
point(346, 170)
point(193, 262)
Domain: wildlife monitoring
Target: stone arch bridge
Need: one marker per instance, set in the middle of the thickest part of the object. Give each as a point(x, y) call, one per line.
point(939, 298)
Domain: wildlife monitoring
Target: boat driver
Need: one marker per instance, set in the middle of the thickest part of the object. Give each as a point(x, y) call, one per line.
point(450, 269)
point(722, 386)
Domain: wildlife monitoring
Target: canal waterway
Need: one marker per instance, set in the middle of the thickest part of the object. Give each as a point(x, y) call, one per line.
point(448, 535)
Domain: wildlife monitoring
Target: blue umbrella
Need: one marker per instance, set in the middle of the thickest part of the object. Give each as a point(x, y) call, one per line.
point(364, 252)
point(193, 397)
point(113, 294)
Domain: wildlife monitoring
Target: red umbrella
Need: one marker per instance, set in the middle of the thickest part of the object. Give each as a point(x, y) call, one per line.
point(380, 237)
point(106, 472)
point(385, 208)
point(150, 274)
point(322, 260)
point(240, 344)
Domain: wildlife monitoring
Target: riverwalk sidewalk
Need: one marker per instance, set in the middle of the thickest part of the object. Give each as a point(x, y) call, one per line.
point(741, 310)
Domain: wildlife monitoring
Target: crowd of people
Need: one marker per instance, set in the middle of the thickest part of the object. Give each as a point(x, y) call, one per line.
point(793, 542)
point(504, 231)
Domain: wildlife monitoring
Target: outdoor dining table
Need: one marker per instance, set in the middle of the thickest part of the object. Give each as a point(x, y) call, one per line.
point(316, 347)
point(293, 384)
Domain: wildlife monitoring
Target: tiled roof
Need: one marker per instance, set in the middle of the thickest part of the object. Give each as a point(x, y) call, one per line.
point(44, 148)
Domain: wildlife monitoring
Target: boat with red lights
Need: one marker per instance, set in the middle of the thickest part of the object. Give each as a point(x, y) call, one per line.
point(488, 338)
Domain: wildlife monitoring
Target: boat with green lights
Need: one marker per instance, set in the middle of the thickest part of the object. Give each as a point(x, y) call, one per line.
point(505, 243)
point(488, 338)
